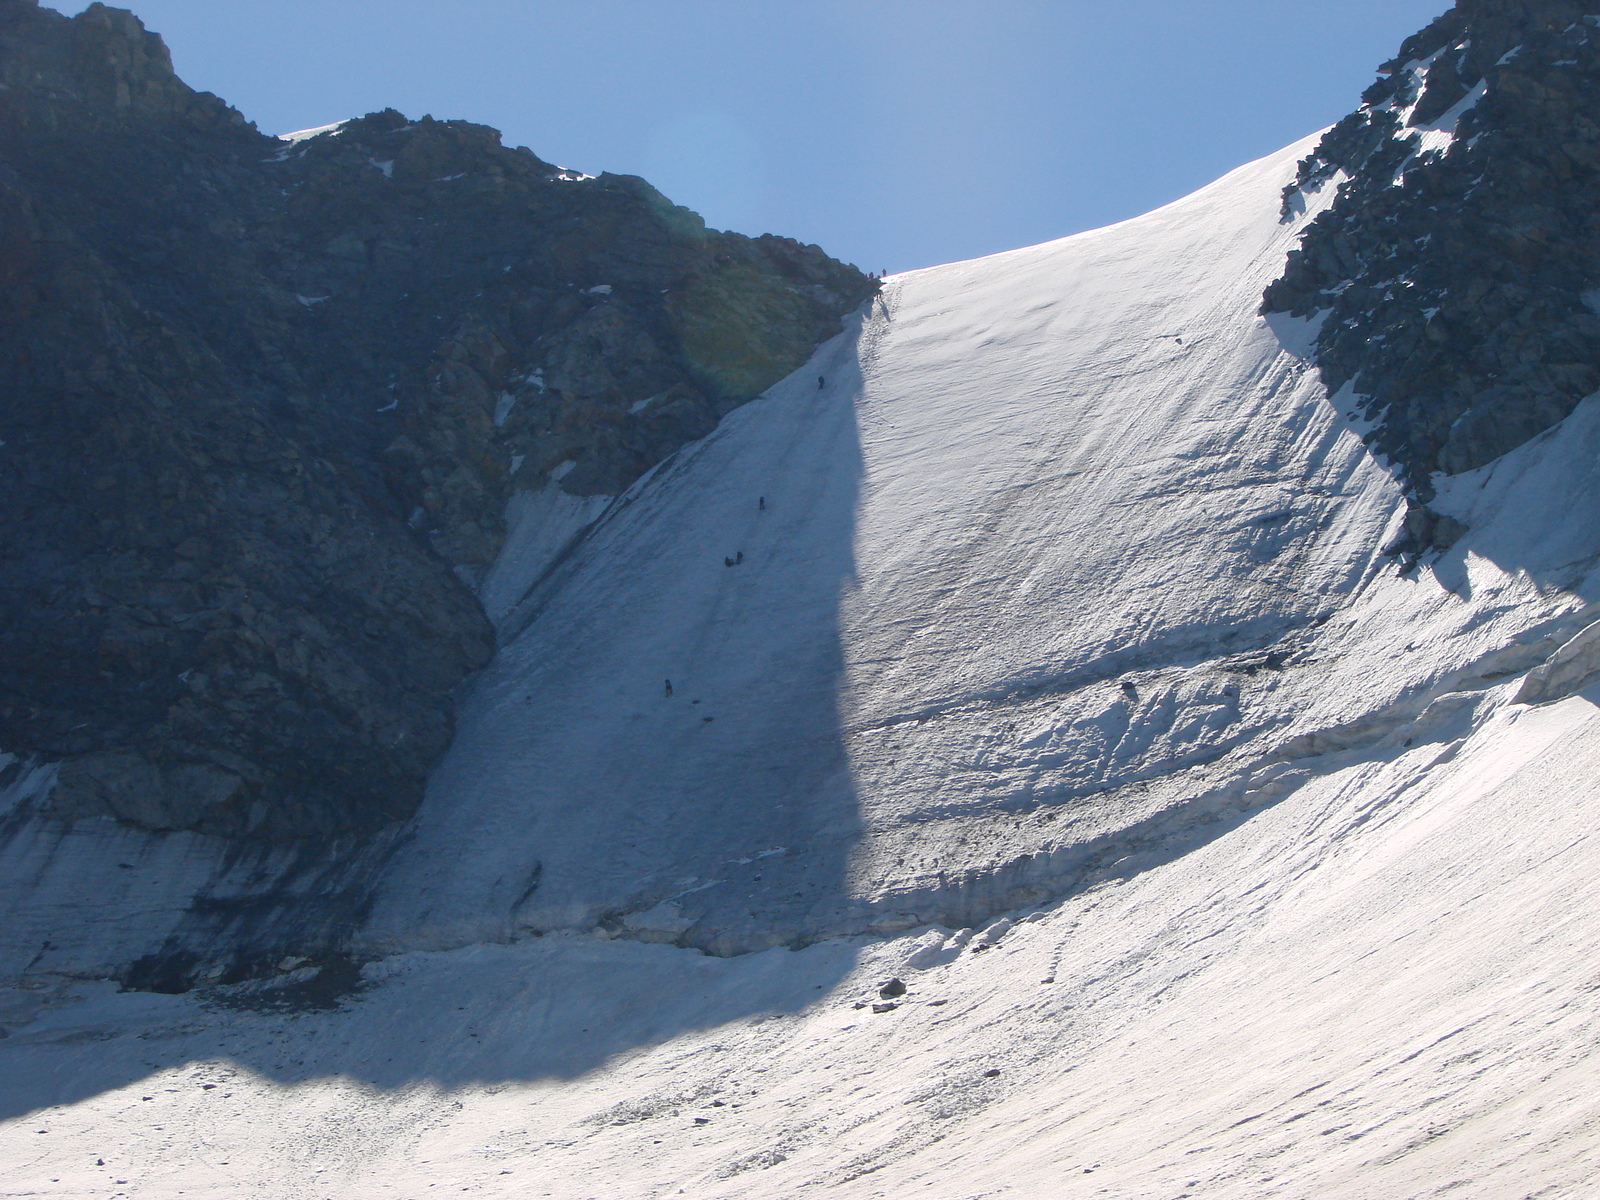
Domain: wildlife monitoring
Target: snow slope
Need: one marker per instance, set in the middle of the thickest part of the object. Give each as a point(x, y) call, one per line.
point(1062, 677)
point(1064, 549)
point(1381, 988)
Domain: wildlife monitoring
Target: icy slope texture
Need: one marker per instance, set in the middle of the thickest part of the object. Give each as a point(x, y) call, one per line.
point(1068, 563)
point(265, 402)
point(1453, 269)
point(1380, 989)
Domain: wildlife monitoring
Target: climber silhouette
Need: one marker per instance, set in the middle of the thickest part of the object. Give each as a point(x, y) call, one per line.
point(669, 689)
point(821, 383)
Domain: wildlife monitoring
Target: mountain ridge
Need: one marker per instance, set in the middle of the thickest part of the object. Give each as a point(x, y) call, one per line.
point(271, 401)
point(1452, 272)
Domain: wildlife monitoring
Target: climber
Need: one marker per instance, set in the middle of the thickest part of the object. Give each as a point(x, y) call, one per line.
point(669, 689)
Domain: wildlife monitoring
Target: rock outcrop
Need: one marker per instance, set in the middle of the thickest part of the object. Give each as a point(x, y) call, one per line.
point(1453, 273)
point(264, 402)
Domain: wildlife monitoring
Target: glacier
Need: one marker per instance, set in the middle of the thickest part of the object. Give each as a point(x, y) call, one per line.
point(1034, 645)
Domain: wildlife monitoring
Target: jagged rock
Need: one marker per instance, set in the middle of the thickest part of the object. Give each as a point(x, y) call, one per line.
point(1454, 267)
point(266, 401)
point(182, 796)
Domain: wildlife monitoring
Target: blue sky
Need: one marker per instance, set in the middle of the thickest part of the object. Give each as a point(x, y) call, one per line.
point(895, 133)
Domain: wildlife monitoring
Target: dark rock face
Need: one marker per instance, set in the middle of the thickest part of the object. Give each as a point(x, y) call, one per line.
point(1456, 272)
point(262, 404)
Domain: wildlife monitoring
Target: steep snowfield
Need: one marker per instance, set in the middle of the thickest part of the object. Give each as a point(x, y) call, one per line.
point(1060, 553)
point(1062, 677)
point(1024, 483)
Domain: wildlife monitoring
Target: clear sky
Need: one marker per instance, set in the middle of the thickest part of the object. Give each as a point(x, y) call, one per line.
point(895, 133)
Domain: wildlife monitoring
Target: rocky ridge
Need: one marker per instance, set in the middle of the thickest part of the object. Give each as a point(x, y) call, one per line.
point(266, 400)
point(1452, 275)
